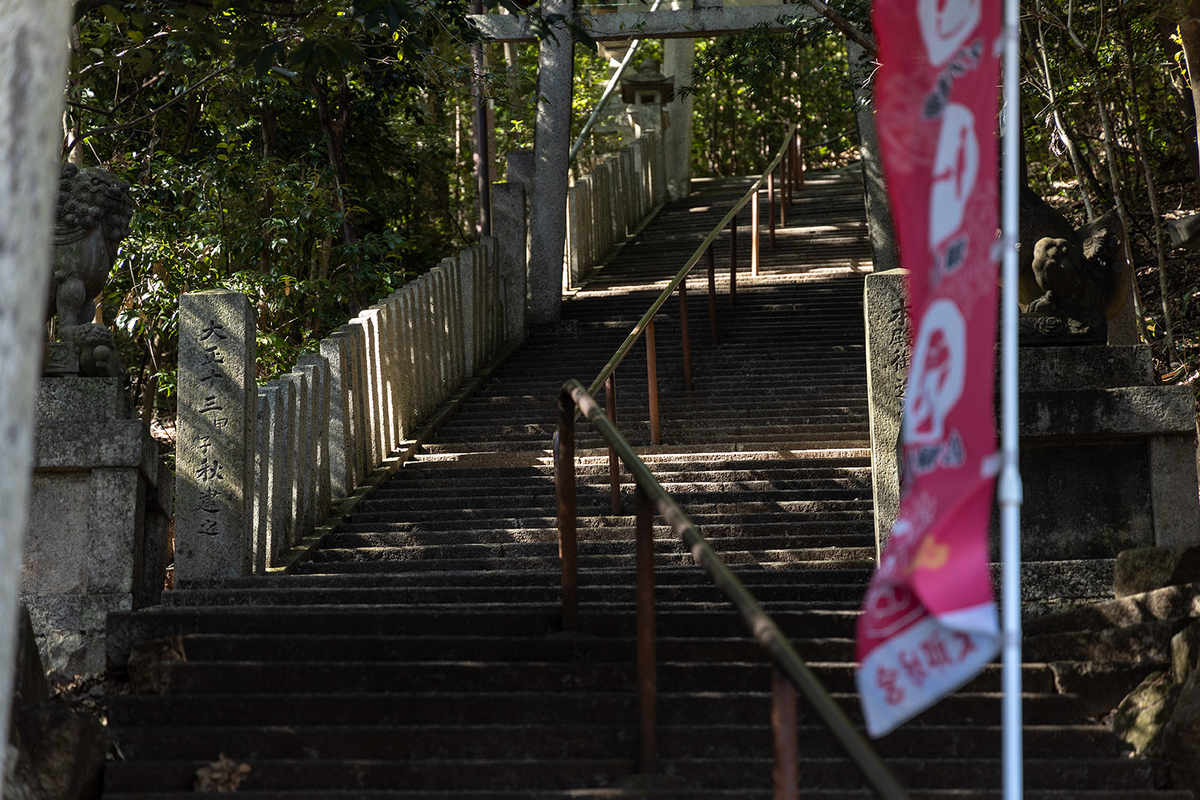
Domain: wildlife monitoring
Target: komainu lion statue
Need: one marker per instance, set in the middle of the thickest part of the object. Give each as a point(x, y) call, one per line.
point(94, 209)
point(1070, 282)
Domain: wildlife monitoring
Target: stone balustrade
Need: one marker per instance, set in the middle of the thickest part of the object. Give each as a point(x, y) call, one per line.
point(605, 206)
point(260, 467)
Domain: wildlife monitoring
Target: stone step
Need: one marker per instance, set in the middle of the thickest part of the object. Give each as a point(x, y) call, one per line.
point(588, 551)
point(851, 592)
point(126, 628)
point(562, 741)
point(561, 647)
point(747, 499)
point(742, 538)
point(678, 794)
point(466, 774)
point(772, 559)
point(665, 576)
point(397, 707)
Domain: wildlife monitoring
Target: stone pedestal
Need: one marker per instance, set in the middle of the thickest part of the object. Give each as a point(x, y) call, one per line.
point(1108, 459)
point(98, 523)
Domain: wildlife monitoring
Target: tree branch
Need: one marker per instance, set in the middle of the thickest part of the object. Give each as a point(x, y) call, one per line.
point(153, 113)
point(863, 40)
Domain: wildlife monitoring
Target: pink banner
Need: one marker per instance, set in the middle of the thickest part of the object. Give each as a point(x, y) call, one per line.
point(928, 623)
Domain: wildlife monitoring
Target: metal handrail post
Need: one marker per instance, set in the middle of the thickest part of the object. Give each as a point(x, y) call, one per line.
point(614, 464)
point(784, 197)
point(693, 259)
point(787, 747)
point(733, 226)
point(685, 337)
point(712, 295)
point(564, 493)
point(646, 657)
point(771, 207)
point(754, 237)
point(652, 384)
point(765, 631)
point(799, 160)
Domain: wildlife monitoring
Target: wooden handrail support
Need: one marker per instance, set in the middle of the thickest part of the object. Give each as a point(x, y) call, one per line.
point(650, 495)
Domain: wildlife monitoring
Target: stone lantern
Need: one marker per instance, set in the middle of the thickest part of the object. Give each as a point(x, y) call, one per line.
point(646, 95)
point(648, 86)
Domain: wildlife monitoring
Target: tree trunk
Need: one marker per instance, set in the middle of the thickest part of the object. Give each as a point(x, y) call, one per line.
point(32, 35)
point(1140, 144)
point(1189, 34)
point(1138, 314)
point(334, 126)
point(1179, 89)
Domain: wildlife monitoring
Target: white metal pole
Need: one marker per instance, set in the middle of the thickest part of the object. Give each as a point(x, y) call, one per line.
point(1009, 494)
point(608, 90)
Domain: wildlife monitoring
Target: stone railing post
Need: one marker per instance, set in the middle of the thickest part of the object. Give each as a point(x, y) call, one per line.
point(316, 369)
point(508, 227)
point(342, 478)
point(218, 401)
point(304, 453)
point(281, 400)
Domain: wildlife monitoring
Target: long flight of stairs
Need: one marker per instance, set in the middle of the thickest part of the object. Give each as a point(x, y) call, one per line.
point(419, 653)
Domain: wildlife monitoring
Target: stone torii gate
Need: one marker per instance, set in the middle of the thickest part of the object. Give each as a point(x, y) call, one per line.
point(552, 126)
point(552, 123)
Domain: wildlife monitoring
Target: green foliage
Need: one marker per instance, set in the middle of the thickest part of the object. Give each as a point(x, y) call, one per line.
point(297, 152)
point(750, 86)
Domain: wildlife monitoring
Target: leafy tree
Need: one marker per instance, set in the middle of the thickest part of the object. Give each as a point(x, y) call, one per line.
point(293, 149)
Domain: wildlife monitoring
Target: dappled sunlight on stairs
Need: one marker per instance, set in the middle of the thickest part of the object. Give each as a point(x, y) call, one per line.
point(419, 653)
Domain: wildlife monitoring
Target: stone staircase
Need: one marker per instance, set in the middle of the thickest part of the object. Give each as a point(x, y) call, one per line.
point(418, 654)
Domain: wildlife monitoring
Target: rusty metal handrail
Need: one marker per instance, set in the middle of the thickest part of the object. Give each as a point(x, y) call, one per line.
point(786, 661)
point(788, 147)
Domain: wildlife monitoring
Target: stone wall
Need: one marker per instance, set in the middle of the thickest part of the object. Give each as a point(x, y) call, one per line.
point(1108, 458)
point(99, 518)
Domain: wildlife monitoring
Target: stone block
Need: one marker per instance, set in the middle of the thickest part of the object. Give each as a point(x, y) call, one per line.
point(262, 480)
point(887, 371)
point(342, 478)
point(1185, 652)
point(281, 399)
point(317, 370)
point(58, 523)
point(1130, 411)
point(1107, 458)
point(356, 387)
point(468, 301)
point(367, 323)
point(69, 446)
point(61, 360)
point(30, 683)
point(1173, 490)
point(61, 752)
point(303, 450)
point(114, 530)
point(388, 380)
point(215, 455)
point(1148, 568)
point(1182, 738)
point(406, 361)
point(1082, 501)
point(520, 169)
point(1055, 368)
point(1141, 718)
point(75, 399)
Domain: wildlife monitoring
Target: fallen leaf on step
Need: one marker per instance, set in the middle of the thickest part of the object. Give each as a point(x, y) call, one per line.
point(222, 775)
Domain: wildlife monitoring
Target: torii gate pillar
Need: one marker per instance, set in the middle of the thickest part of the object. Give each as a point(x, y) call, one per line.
point(678, 57)
point(551, 148)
